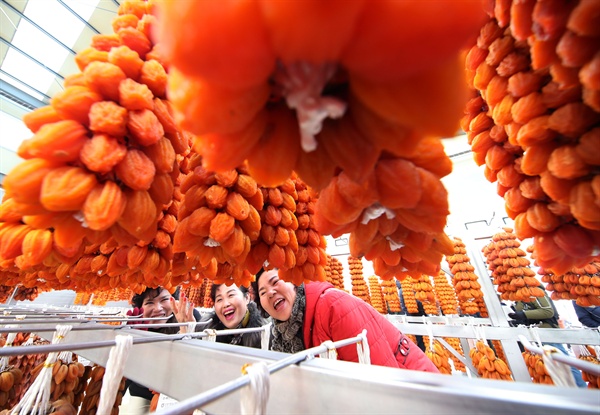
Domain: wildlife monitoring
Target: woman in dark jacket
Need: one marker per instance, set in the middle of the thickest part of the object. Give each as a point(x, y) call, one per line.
point(152, 303)
point(234, 310)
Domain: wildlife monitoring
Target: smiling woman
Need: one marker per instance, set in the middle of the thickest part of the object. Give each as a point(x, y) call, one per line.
point(151, 303)
point(233, 310)
point(307, 315)
point(155, 302)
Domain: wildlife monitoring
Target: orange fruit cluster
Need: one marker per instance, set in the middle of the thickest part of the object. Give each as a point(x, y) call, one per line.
point(359, 286)
point(207, 301)
point(424, 293)
point(464, 279)
point(23, 293)
point(438, 355)
point(89, 405)
point(68, 381)
point(25, 363)
point(217, 222)
point(445, 293)
point(99, 171)
point(334, 270)
point(82, 298)
point(311, 258)
point(592, 357)
point(534, 122)
point(248, 105)
point(390, 295)
point(10, 386)
point(297, 100)
point(115, 294)
point(408, 295)
point(482, 307)
point(510, 268)
point(395, 215)
point(497, 345)
point(454, 342)
point(581, 284)
point(488, 365)
point(195, 294)
point(537, 368)
point(377, 295)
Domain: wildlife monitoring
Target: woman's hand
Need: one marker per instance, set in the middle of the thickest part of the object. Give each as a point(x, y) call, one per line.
point(183, 310)
point(137, 313)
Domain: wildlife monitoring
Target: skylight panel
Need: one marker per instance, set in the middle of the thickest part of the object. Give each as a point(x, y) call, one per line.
point(55, 19)
point(39, 46)
point(27, 71)
point(21, 86)
point(84, 8)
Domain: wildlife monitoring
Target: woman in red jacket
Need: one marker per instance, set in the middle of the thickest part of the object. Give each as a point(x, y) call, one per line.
point(307, 315)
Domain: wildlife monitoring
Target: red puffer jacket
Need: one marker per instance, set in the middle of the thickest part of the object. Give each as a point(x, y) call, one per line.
point(332, 314)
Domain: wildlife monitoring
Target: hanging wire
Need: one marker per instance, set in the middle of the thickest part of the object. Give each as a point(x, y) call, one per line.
point(99, 326)
point(188, 405)
point(47, 348)
point(84, 319)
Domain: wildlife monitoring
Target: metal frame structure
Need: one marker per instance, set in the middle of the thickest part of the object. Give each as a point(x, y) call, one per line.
point(186, 368)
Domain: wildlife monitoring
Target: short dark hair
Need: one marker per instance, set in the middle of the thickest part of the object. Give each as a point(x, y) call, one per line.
point(138, 299)
point(215, 287)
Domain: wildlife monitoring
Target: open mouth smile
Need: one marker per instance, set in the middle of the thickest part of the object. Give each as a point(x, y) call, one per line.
point(228, 314)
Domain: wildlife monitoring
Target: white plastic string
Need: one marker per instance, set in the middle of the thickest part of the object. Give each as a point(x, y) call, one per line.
point(35, 401)
point(479, 333)
point(331, 352)
point(559, 372)
point(66, 357)
point(10, 338)
point(255, 395)
point(114, 372)
point(362, 348)
point(535, 334)
point(453, 368)
point(265, 336)
point(90, 303)
point(429, 328)
point(30, 340)
point(211, 335)
point(580, 350)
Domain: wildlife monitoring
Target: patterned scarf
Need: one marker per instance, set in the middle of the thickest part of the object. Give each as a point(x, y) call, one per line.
point(287, 335)
point(237, 338)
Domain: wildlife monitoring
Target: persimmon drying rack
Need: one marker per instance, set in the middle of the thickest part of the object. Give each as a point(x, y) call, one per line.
point(185, 368)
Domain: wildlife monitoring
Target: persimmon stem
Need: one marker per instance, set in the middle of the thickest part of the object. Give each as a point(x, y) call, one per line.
point(302, 84)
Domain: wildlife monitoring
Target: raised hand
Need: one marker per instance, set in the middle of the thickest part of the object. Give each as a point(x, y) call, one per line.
point(136, 312)
point(183, 310)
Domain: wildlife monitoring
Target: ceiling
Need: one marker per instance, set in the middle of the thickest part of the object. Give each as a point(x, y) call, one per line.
point(38, 43)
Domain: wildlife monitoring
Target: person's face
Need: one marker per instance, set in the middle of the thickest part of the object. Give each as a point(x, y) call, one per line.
point(276, 296)
point(230, 305)
point(158, 305)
